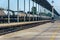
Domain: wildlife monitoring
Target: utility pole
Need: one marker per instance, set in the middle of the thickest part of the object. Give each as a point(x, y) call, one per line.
point(29, 10)
point(33, 11)
point(36, 12)
point(8, 11)
point(24, 11)
point(17, 10)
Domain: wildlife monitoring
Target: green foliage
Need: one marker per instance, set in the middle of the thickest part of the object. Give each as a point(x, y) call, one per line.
point(49, 14)
point(34, 10)
point(44, 14)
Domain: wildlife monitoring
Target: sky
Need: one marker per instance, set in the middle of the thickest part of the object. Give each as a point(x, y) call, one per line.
point(56, 5)
point(13, 5)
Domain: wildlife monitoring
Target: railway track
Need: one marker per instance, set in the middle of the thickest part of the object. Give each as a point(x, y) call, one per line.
point(6, 30)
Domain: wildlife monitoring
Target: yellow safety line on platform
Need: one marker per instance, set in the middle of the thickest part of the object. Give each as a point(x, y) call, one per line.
point(54, 34)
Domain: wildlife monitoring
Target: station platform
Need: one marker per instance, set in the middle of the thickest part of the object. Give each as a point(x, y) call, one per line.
point(20, 23)
point(48, 31)
point(26, 34)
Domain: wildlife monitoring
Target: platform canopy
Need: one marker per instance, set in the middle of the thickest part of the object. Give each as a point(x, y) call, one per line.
point(46, 5)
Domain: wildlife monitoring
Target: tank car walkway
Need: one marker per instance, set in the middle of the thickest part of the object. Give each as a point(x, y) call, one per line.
point(48, 31)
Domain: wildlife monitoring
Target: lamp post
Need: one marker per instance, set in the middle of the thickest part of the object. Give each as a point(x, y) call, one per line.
point(38, 12)
point(52, 11)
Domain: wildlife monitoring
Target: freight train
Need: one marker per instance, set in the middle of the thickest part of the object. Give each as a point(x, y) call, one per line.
point(13, 18)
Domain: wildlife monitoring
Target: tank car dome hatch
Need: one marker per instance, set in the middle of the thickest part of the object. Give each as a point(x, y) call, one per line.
point(21, 14)
point(29, 15)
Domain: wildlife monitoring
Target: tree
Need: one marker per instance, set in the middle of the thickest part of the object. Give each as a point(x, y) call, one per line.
point(34, 10)
point(49, 14)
